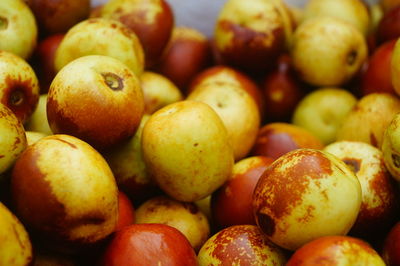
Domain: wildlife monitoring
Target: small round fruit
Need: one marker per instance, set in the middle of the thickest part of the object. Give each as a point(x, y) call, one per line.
point(13, 139)
point(65, 192)
point(15, 245)
point(97, 99)
point(240, 245)
point(301, 193)
point(336, 250)
point(184, 216)
point(149, 244)
point(187, 150)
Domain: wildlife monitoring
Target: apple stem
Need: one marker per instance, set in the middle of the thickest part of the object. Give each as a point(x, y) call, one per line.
point(113, 81)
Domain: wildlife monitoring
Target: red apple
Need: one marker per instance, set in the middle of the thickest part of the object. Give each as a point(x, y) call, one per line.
point(43, 60)
point(389, 26)
point(126, 211)
point(275, 139)
point(336, 250)
point(58, 16)
point(152, 21)
point(149, 244)
point(240, 245)
point(377, 76)
point(282, 91)
point(391, 247)
point(187, 53)
point(231, 204)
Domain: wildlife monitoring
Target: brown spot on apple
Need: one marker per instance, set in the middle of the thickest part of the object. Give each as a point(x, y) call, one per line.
point(113, 81)
point(353, 164)
point(266, 223)
point(3, 23)
point(396, 160)
point(351, 57)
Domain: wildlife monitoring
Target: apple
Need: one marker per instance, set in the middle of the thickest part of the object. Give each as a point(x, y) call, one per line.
point(92, 37)
point(327, 51)
point(13, 139)
point(224, 74)
point(96, 98)
point(389, 26)
point(391, 247)
point(282, 91)
point(149, 244)
point(336, 250)
point(237, 110)
point(58, 17)
point(231, 204)
point(355, 12)
point(188, 52)
point(391, 147)
point(19, 87)
point(380, 199)
point(369, 118)
point(15, 245)
point(187, 150)
point(250, 35)
point(306, 194)
point(184, 216)
point(322, 112)
point(158, 91)
point(65, 193)
point(126, 211)
point(129, 169)
point(276, 139)
point(152, 21)
point(32, 137)
point(240, 245)
point(377, 76)
point(38, 120)
point(18, 29)
point(42, 60)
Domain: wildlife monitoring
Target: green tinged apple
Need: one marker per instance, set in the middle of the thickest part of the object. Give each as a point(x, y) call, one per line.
point(391, 147)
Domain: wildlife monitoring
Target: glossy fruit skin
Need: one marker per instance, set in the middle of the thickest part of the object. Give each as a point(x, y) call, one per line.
point(336, 250)
point(240, 245)
point(126, 211)
point(391, 247)
point(149, 244)
point(231, 204)
point(377, 76)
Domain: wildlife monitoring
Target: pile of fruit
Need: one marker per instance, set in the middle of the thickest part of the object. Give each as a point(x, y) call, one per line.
point(128, 140)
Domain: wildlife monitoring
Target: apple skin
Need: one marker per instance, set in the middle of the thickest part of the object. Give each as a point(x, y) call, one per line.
point(188, 52)
point(49, 182)
point(391, 246)
point(149, 244)
point(231, 204)
point(83, 93)
point(237, 110)
point(38, 120)
point(205, 158)
point(13, 141)
point(18, 28)
point(32, 137)
point(322, 112)
point(395, 67)
point(276, 139)
point(58, 16)
point(19, 87)
point(240, 245)
point(299, 195)
point(15, 247)
point(152, 22)
point(391, 147)
point(158, 91)
point(377, 76)
point(323, 60)
point(369, 118)
point(92, 37)
point(184, 216)
point(380, 193)
point(126, 211)
point(282, 91)
point(389, 26)
point(43, 60)
point(250, 36)
point(226, 74)
point(336, 250)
